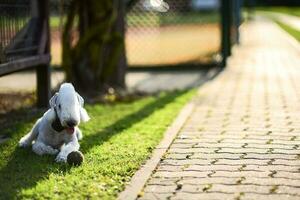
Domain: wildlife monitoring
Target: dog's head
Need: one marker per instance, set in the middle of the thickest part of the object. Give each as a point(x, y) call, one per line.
point(67, 106)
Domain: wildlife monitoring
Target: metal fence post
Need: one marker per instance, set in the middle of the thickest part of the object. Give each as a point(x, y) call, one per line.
point(226, 29)
point(43, 86)
point(237, 19)
point(43, 71)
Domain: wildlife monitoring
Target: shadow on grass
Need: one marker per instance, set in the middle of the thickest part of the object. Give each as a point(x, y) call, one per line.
point(13, 120)
point(24, 169)
point(100, 137)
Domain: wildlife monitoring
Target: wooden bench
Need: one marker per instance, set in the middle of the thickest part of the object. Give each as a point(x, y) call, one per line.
point(29, 48)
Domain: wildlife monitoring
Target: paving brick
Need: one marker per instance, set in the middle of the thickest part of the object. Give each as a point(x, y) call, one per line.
point(160, 189)
point(163, 181)
point(240, 188)
point(272, 168)
point(270, 156)
point(251, 196)
point(288, 190)
point(238, 174)
point(170, 174)
point(151, 196)
point(242, 162)
point(177, 156)
point(200, 195)
point(212, 167)
point(170, 168)
point(216, 155)
point(192, 150)
point(271, 181)
point(186, 162)
point(288, 175)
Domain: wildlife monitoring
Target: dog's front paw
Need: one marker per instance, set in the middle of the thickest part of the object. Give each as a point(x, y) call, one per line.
point(61, 158)
point(24, 142)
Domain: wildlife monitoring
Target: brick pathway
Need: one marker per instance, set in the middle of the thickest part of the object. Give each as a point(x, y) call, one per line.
point(242, 139)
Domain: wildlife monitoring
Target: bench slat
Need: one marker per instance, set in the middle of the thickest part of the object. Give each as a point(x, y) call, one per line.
point(24, 63)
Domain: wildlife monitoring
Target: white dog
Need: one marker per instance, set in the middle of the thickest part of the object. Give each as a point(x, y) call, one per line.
point(57, 131)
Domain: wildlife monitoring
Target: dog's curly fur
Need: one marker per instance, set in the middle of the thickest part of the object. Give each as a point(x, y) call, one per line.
point(57, 131)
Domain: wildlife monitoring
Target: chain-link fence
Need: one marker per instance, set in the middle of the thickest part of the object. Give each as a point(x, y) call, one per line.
point(14, 15)
point(173, 32)
point(159, 32)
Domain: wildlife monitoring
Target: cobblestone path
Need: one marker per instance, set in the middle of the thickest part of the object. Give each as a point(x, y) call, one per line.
point(242, 140)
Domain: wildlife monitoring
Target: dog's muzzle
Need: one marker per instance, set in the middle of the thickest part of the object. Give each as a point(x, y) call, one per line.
point(57, 126)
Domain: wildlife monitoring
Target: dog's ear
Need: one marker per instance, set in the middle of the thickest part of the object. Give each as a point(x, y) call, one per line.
point(84, 117)
point(51, 116)
point(80, 99)
point(52, 101)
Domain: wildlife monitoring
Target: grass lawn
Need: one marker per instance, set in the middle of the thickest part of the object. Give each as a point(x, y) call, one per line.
point(292, 31)
point(54, 21)
point(117, 140)
point(285, 10)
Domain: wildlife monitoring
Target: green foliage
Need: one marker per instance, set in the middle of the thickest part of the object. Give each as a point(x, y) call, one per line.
point(117, 140)
point(54, 21)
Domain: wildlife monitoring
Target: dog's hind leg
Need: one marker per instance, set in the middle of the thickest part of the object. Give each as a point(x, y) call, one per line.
point(27, 140)
point(41, 149)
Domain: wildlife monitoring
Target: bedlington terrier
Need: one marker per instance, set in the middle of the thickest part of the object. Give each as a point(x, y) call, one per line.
point(57, 131)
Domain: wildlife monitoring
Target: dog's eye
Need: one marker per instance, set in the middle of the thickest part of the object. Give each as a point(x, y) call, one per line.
point(59, 106)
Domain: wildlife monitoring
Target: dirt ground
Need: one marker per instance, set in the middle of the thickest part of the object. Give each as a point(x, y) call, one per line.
point(15, 100)
point(56, 47)
point(171, 45)
point(163, 45)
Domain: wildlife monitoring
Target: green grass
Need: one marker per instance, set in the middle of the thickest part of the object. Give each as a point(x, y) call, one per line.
point(292, 31)
point(285, 10)
point(117, 140)
point(54, 21)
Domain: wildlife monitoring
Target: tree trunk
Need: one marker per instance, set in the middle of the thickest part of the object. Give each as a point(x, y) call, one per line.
point(116, 79)
point(97, 60)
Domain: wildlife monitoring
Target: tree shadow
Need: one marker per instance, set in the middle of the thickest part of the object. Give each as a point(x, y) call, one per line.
point(15, 120)
point(24, 170)
point(104, 135)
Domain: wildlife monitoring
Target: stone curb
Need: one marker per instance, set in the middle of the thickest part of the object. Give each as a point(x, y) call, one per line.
point(143, 174)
